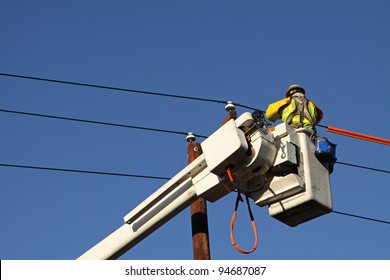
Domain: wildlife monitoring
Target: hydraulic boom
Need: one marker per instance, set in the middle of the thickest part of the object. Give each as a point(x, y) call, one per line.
point(277, 168)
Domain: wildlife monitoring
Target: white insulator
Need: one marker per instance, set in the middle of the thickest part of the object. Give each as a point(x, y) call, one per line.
point(190, 137)
point(230, 106)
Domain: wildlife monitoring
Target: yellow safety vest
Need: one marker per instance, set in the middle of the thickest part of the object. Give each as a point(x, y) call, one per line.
point(301, 113)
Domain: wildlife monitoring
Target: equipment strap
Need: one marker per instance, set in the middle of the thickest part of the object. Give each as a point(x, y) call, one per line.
point(302, 109)
point(292, 114)
point(307, 113)
point(233, 220)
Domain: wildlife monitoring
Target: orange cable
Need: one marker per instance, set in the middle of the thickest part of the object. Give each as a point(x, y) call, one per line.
point(357, 135)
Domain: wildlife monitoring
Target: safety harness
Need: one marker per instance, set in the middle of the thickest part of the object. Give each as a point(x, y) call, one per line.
point(301, 109)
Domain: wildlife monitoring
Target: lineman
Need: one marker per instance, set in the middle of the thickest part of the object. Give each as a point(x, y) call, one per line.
point(300, 112)
point(295, 110)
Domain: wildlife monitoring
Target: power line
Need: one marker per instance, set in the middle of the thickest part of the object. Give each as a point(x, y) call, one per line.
point(123, 89)
point(84, 171)
point(144, 92)
point(361, 217)
point(150, 129)
point(143, 128)
point(364, 167)
point(322, 126)
point(97, 122)
point(146, 177)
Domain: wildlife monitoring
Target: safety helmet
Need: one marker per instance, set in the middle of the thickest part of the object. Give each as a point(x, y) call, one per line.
point(293, 89)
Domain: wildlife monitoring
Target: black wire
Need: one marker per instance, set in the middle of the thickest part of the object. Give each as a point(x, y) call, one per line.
point(84, 171)
point(145, 177)
point(143, 128)
point(97, 122)
point(155, 130)
point(122, 89)
point(361, 217)
point(363, 167)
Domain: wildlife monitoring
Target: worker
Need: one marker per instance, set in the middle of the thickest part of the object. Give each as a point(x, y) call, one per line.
point(295, 110)
point(300, 112)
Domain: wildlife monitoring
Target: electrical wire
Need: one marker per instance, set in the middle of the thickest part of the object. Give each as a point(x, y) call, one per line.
point(149, 93)
point(363, 167)
point(145, 128)
point(123, 89)
point(147, 177)
point(84, 171)
point(361, 217)
point(151, 129)
point(97, 122)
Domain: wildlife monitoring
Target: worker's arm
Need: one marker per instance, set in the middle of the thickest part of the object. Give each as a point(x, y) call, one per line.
point(274, 109)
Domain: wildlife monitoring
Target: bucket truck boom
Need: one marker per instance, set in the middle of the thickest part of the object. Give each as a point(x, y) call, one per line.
point(277, 168)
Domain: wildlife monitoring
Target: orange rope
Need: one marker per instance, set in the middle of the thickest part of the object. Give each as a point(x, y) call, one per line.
point(358, 135)
point(253, 222)
point(233, 220)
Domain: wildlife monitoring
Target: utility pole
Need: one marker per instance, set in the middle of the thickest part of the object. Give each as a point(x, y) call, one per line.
point(199, 223)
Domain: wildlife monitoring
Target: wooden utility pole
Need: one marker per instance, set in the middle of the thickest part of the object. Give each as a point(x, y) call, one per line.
point(199, 223)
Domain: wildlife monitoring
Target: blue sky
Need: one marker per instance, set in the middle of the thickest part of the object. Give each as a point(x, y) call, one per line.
point(245, 51)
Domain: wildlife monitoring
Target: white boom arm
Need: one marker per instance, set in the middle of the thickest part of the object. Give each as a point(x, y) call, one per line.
point(169, 200)
point(251, 151)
